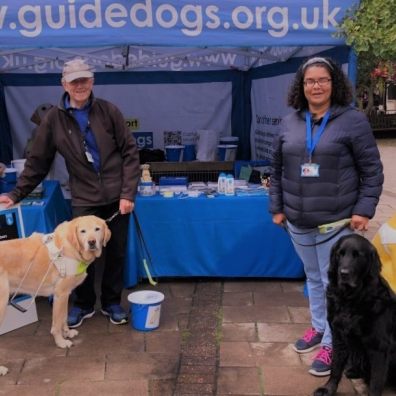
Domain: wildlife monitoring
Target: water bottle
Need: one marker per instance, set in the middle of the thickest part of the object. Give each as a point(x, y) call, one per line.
point(229, 185)
point(221, 183)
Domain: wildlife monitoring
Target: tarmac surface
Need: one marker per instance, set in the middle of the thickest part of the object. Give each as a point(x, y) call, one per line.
point(216, 337)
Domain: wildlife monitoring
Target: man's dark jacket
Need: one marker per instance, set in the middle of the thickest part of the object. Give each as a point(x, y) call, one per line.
point(119, 160)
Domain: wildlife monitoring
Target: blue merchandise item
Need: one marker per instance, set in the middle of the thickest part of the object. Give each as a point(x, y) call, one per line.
point(173, 181)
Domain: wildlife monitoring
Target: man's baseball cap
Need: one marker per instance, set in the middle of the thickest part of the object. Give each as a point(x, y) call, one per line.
point(76, 68)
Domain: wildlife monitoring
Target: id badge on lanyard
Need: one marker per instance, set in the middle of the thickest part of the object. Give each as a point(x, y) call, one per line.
point(311, 169)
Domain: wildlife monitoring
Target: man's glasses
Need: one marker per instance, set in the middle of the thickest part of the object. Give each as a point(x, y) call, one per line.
point(310, 82)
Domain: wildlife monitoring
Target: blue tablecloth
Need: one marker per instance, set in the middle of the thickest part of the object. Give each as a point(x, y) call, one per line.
point(44, 218)
point(210, 237)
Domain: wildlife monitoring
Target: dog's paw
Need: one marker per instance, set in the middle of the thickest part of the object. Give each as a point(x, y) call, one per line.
point(70, 333)
point(3, 370)
point(62, 343)
point(360, 387)
point(321, 392)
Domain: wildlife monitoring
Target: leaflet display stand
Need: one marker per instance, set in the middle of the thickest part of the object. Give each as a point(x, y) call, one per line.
point(11, 227)
point(11, 223)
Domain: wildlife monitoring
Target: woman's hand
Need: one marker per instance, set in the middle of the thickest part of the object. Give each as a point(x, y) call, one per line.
point(278, 219)
point(359, 223)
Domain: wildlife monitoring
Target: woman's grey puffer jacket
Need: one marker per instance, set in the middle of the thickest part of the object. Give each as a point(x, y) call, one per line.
point(350, 170)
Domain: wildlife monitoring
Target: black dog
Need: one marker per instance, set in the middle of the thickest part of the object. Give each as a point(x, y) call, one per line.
point(362, 316)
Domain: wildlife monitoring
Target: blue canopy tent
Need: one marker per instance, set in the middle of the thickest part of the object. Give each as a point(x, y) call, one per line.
point(171, 66)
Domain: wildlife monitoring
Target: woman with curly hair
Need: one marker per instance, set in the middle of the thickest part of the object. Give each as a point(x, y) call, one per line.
point(326, 181)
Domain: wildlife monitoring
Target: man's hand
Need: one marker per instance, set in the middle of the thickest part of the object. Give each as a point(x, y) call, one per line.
point(6, 201)
point(126, 206)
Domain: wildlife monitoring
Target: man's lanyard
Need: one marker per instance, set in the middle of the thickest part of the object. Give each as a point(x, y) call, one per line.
point(311, 144)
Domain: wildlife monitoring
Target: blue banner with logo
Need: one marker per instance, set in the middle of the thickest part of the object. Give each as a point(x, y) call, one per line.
point(235, 23)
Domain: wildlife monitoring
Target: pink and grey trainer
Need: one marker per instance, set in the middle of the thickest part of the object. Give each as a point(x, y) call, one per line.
point(310, 340)
point(321, 365)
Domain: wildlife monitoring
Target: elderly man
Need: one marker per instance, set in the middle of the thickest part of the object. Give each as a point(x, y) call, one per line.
point(103, 164)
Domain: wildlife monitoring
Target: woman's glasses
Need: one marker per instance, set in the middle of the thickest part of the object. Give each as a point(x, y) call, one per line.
point(310, 82)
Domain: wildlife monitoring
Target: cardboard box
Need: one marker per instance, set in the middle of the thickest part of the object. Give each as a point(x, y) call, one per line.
point(15, 319)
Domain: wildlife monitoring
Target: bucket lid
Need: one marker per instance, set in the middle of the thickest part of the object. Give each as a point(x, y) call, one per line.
point(227, 146)
point(146, 297)
point(174, 146)
point(18, 161)
point(229, 139)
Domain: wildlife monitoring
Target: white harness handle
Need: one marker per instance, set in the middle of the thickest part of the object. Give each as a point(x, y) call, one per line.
point(66, 267)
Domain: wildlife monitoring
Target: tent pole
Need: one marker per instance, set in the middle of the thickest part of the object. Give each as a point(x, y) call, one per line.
point(352, 67)
point(6, 139)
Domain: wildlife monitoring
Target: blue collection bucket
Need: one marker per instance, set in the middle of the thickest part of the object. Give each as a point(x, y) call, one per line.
point(8, 180)
point(10, 175)
point(227, 152)
point(6, 187)
point(145, 307)
point(229, 140)
point(189, 152)
point(174, 153)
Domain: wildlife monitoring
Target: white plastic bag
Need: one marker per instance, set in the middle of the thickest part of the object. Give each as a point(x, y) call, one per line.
point(207, 144)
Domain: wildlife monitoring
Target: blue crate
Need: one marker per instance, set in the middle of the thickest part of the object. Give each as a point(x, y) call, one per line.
point(173, 181)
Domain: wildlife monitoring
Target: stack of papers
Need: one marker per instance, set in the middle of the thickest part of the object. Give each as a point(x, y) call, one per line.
point(240, 183)
point(212, 185)
point(197, 186)
point(251, 190)
point(175, 189)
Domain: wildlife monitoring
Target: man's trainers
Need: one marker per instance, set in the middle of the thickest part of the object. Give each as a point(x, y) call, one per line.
point(77, 315)
point(310, 340)
point(321, 366)
point(116, 314)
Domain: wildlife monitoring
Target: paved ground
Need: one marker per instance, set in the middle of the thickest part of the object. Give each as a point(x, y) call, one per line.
point(217, 337)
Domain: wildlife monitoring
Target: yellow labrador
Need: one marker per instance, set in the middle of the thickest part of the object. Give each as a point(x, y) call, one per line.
point(52, 265)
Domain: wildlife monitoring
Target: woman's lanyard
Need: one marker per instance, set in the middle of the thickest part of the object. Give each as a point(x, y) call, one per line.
point(311, 143)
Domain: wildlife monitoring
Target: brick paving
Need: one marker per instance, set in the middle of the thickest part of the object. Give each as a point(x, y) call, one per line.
point(199, 353)
point(217, 337)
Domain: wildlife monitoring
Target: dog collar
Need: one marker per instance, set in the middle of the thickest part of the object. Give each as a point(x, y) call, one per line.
point(66, 266)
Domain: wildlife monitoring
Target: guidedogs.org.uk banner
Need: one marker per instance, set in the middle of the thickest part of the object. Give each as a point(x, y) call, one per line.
point(67, 23)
